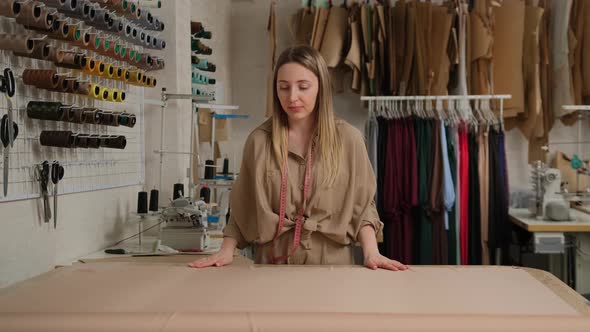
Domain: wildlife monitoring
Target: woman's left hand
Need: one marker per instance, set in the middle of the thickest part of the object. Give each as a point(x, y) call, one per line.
point(376, 261)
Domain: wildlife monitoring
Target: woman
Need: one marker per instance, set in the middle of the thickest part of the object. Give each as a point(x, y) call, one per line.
point(312, 169)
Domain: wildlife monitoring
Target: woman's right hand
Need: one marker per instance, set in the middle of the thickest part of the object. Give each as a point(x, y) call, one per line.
point(223, 257)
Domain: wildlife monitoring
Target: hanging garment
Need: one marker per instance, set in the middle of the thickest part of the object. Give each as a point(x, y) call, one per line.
point(409, 50)
point(354, 56)
point(452, 230)
point(334, 36)
point(484, 168)
point(439, 63)
point(481, 47)
point(508, 41)
point(391, 191)
point(436, 208)
point(577, 22)
point(381, 166)
point(448, 184)
point(464, 181)
point(474, 241)
point(498, 227)
point(391, 61)
point(403, 46)
point(379, 49)
point(425, 176)
point(420, 68)
point(409, 188)
point(561, 70)
point(586, 54)
point(458, 194)
point(461, 83)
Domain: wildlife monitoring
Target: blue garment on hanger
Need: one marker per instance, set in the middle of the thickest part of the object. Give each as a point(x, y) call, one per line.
point(448, 185)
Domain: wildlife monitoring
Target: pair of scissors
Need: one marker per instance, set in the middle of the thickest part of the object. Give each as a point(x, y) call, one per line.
point(8, 133)
point(57, 173)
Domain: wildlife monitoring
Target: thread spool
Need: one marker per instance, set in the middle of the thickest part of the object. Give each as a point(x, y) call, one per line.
point(142, 202)
point(154, 200)
point(95, 91)
point(119, 73)
point(104, 93)
point(10, 8)
point(82, 38)
point(225, 166)
point(114, 95)
point(90, 66)
point(61, 139)
point(73, 85)
point(205, 194)
point(113, 142)
point(121, 97)
point(154, 82)
point(178, 191)
point(109, 71)
point(41, 50)
point(83, 88)
point(209, 169)
point(101, 67)
point(45, 110)
point(135, 77)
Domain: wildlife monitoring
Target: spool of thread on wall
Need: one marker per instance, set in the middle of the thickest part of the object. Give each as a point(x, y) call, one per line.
point(205, 194)
point(178, 191)
point(225, 166)
point(154, 200)
point(209, 169)
point(142, 202)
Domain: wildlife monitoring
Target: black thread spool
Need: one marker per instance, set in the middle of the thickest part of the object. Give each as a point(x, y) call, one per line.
point(209, 169)
point(205, 194)
point(178, 191)
point(225, 166)
point(154, 202)
point(142, 202)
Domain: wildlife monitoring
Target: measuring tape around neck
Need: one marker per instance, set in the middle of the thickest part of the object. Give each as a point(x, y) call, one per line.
point(282, 208)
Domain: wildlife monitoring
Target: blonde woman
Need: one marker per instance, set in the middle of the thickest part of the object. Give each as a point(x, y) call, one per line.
point(305, 165)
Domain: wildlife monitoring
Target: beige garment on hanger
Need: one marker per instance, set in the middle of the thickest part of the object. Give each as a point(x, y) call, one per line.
point(334, 36)
point(354, 58)
point(577, 26)
point(561, 70)
point(381, 43)
point(272, 41)
point(422, 28)
point(410, 48)
point(319, 27)
point(481, 47)
point(439, 59)
point(399, 26)
point(508, 49)
point(532, 77)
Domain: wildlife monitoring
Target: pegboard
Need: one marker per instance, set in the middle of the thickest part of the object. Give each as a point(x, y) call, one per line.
point(85, 169)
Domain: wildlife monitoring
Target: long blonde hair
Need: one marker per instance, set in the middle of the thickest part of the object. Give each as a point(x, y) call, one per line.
point(328, 145)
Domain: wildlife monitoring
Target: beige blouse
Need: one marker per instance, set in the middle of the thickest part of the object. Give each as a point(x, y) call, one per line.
point(333, 216)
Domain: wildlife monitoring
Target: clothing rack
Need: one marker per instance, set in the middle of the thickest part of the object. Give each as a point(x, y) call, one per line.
point(443, 98)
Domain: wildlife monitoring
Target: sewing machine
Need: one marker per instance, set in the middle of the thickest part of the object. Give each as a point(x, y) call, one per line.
point(186, 225)
point(549, 202)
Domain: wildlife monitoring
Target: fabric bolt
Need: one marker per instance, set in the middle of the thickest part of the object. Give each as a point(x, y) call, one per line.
point(330, 227)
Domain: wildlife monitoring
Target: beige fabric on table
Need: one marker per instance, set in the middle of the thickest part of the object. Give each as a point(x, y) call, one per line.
point(508, 41)
point(333, 215)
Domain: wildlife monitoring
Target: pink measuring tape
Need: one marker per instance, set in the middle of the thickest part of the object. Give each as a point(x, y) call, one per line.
point(299, 220)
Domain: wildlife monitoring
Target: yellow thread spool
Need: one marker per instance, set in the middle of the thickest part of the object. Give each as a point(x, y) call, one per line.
point(113, 95)
point(104, 93)
point(97, 64)
point(135, 77)
point(109, 70)
point(121, 97)
point(94, 91)
point(101, 68)
point(153, 82)
point(90, 66)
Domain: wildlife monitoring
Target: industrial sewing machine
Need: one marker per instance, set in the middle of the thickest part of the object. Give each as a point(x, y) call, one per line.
point(549, 202)
point(186, 225)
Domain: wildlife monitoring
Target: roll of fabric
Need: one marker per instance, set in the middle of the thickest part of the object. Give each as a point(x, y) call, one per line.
point(113, 142)
point(61, 139)
point(41, 50)
point(84, 88)
point(45, 110)
point(10, 8)
point(41, 78)
point(16, 43)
